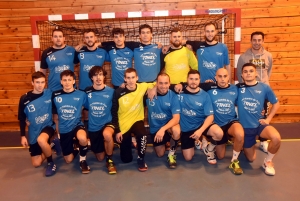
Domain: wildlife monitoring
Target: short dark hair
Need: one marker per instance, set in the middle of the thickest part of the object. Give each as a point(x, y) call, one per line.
point(210, 23)
point(258, 33)
point(117, 31)
point(130, 70)
point(145, 26)
point(37, 75)
point(67, 73)
point(192, 71)
point(163, 74)
point(175, 30)
point(88, 31)
point(248, 64)
point(96, 69)
point(57, 30)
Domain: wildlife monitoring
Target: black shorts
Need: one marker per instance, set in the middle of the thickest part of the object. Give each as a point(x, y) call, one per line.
point(167, 137)
point(66, 140)
point(226, 135)
point(187, 142)
point(97, 140)
point(35, 149)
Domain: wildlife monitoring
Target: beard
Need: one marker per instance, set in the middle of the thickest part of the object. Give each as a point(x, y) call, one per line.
point(176, 44)
point(87, 44)
point(206, 39)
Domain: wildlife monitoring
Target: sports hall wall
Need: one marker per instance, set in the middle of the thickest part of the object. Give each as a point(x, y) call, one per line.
point(278, 19)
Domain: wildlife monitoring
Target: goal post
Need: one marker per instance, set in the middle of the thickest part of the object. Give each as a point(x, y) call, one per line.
point(190, 22)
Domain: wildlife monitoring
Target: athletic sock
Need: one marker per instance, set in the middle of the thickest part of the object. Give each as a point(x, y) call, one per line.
point(49, 159)
point(235, 155)
point(141, 145)
point(174, 144)
point(82, 152)
point(270, 157)
point(108, 157)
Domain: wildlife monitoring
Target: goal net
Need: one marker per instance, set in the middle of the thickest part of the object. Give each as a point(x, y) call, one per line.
point(190, 22)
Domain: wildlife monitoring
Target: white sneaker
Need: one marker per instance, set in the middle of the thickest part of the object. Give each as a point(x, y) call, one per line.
point(211, 158)
point(264, 146)
point(269, 168)
point(198, 144)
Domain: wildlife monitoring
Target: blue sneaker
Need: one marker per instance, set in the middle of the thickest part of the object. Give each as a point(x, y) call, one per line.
point(56, 146)
point(50, 169)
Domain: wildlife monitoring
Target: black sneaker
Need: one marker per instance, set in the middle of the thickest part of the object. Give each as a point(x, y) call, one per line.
point(85, 169)
point(142, 166)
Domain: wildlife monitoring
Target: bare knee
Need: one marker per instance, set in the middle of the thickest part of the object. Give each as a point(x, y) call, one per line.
point(36, 163)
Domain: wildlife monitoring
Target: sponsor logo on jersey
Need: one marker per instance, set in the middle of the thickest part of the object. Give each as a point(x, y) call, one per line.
point(41, 119)
point(197, 103)
point(158, 115)
point(187, 112)
point(148, 58)
point(251, 105)
point(126, 52)
point(26, 102)
point(167, 104)
point(219, 53)
point(55, 94)
point(48, 53)
point(98, 109)
point(106, 96)
point(179, 66)
point(69, 53)
point(68, 112)
point(87, 68)
point(135, 107)
point(121, 63)
point(257, 91)
point(48, 101)
point(59, 69)
point(76, 99)
point(99, 56)
point(209, 65)
point(232, 93)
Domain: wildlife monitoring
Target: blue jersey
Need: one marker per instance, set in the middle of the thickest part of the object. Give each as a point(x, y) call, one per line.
point(161, 110)
point(195, 107)
point(210, 58)
point(89, 59)
point(251, 103)
point(57, 60)
point(68, 106)
point(223, 102)
point(99, 103)
point(37, 109)
point(120, 59)
point(147, 62)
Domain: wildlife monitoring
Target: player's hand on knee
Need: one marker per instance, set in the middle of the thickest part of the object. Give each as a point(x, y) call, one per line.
point(159, 135)
point(263, 121)
point(119, 137)
point(196, 135)
point(24, 141)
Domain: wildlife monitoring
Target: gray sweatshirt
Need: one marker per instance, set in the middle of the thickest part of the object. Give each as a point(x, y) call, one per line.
point(263, 64)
